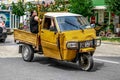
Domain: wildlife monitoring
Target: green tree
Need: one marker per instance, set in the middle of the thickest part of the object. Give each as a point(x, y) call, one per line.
point(59, 5)
point(18, 8)
point(3, 6)
point(113, 6)
point(83, 7)
point(29, 7)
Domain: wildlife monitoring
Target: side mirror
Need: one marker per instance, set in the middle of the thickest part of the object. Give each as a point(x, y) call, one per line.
point(52, 28)
point(92, 25)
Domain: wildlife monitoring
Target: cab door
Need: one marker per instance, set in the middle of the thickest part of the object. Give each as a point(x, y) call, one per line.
point(49, 39)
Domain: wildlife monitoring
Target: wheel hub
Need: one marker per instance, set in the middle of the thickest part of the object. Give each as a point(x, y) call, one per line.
point(26, 53)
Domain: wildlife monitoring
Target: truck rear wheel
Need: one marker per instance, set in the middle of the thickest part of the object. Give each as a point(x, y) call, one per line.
point(27, 53)
point(86, 62)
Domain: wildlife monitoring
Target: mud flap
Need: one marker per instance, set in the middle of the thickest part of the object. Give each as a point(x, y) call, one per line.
point(20, 49)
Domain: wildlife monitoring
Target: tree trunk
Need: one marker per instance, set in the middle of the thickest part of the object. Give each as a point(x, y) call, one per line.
point(119, 19)
point(119, 22)
point(18, 21)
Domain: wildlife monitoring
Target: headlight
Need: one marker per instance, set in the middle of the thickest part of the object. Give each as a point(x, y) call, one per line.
point(72, 45)
point(97, 42)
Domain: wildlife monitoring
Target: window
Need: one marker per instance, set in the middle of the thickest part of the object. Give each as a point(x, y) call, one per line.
point(67, 23)
point(49, 24)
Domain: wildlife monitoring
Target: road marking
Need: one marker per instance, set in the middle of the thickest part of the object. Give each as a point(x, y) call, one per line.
point(107, 61)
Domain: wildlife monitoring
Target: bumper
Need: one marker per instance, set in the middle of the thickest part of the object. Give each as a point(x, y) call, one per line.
point(73, 45)
point(86, 50)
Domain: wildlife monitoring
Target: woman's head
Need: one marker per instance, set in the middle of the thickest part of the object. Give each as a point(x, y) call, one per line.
point(33, 13)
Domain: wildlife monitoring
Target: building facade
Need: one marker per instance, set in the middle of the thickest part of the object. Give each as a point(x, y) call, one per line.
point(103, 17)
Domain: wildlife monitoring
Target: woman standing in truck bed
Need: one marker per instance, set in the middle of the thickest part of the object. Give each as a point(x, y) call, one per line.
point(34, 22)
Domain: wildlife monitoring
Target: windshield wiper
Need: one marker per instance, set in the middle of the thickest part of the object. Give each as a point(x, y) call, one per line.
point(81, 28)
point(75, 25)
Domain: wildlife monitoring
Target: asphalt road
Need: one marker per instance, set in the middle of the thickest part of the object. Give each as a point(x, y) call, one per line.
point(12, 67)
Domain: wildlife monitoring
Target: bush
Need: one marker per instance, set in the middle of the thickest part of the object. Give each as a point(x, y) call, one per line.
point(113, 39)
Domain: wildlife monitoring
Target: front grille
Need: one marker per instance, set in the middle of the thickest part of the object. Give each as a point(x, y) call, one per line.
point(85, 44)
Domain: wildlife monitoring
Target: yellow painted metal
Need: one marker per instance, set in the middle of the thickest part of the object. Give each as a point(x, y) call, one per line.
point(26, 37)
point(77, 36)
point(51, 49)
point(49, 44)
point(86, 50)
point(69, 54)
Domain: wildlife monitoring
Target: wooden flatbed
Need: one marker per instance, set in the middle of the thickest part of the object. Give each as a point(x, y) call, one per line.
point(27, 37)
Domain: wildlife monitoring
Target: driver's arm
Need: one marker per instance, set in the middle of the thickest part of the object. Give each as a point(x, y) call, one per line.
point(36, 18)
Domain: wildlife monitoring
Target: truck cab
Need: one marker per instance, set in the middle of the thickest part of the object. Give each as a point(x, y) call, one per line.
point(69, 33)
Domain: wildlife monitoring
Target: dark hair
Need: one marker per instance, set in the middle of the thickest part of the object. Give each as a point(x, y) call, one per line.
point(31, 13)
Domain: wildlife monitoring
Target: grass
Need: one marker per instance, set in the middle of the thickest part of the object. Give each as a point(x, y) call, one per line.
point(111, 39)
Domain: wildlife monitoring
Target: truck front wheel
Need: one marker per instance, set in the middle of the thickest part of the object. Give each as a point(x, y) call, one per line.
point(27, 53)
point(86, 62)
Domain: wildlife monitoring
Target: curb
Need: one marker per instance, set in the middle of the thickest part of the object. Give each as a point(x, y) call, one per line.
point(113, 43)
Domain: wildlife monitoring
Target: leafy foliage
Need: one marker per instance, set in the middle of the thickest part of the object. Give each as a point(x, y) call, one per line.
point(18, 8)
point(29, 7)
point(60, 5)
point(3, 6)
point(113, 6)
point(111, 39)
point(83, 7)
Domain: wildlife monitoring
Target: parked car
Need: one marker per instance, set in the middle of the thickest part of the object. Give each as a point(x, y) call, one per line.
point(3, 32)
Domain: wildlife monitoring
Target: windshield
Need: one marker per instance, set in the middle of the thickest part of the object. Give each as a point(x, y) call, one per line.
point(72, 23)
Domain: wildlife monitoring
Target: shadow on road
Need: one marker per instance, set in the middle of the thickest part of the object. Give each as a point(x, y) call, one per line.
point(97, 66)
point(62, 65)
point(65, 65)
point(57, 64)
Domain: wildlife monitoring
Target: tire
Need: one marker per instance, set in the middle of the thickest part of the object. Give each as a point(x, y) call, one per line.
point(1, 30)
point(2, 40)
point(27, 53)
point(86, 62)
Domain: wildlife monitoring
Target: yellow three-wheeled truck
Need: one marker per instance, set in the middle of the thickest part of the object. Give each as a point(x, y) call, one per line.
point(62, 36)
